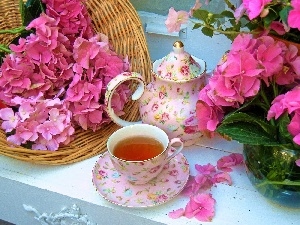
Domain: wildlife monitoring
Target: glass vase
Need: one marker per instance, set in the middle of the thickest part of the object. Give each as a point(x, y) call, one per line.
point(274, 173)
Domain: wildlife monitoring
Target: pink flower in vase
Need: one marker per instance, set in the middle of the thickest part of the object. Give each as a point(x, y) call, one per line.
point(297, 162)
point(294, 14)
point(294, 128)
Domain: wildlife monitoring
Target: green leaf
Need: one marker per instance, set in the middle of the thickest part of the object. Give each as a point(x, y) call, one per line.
point(23, 11)
point(196, 26)
point(272, 15)
point(284, 13)
point(217, 16)
point(284, 135)
point(35, 7)
point(248, 129)
point(201, 14)
point(31, 10)
point(2, 56)
point(208, 32)
point(227, 13)
point(240, 116)
point(230, 36)
point(247, 133)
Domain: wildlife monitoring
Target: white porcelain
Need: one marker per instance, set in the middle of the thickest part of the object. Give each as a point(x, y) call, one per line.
point(140, 172)
point(169, 100)
point(113, 187)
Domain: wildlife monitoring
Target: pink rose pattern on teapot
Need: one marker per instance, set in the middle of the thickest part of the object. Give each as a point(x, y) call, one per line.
point(169, 101)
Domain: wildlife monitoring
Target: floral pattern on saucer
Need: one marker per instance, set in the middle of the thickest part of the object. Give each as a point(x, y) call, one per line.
point(115, 189)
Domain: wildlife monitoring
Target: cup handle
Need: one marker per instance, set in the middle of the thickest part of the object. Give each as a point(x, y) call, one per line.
point(177, 148)
point(112, 86)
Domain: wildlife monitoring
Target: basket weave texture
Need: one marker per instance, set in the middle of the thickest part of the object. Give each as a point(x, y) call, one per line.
point(120, 22)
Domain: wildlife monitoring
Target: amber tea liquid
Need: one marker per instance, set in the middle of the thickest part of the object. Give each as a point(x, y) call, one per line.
point(138, 148)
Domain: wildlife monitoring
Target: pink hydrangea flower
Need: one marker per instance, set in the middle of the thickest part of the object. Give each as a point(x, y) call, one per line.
point(278, 27)
point(270, 58)
point(211, 117)
point(294, 127)
point(239, 76)
point(294, 15)
point(286, 102)
point(10, 119)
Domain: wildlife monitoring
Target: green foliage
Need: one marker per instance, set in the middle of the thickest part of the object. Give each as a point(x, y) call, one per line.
point(30, 10)
point(215, 23)
point(248, 129)
point(283, 135)
point(273, 172)
point(225, 23)
point(284, 13)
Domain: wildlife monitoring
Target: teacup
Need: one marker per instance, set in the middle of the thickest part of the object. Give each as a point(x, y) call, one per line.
point(140, 151)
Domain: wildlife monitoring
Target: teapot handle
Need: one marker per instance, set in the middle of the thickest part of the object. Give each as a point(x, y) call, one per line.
point(112, 86)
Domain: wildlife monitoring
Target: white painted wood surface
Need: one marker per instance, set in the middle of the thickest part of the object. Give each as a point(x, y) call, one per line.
point(50, 188)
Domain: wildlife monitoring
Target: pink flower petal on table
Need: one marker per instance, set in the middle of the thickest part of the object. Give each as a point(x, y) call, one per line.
point(205, 169)
point(204, 181)
point(226, 162)
point(176, 213)
point(191, 188)
point(201, 206)
point(222, 177)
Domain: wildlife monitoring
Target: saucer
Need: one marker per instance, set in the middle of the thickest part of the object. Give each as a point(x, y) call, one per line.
point(115, 189)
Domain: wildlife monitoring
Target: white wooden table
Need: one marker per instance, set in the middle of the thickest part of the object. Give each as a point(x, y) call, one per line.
point(48, 189)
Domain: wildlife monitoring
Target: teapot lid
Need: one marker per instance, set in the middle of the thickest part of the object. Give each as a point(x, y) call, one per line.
point(179, 65)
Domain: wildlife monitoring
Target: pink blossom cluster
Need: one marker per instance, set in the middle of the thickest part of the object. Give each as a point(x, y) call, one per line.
point(288, 102)
point(95, 65)
point(259, 8)
point(42, 123)
point(63, 59)
point(239, 76)
point(201, 204)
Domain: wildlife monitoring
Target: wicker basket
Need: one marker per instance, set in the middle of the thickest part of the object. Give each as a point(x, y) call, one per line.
point(120, 22)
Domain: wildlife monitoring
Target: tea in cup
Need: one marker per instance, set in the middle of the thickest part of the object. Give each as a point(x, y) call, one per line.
point(140, 151)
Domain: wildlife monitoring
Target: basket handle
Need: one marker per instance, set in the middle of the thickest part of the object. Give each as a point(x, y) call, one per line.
point(112, 86)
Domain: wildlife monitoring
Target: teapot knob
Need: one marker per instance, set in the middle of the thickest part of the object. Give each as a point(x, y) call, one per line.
point(178, 44)
point(178, 47)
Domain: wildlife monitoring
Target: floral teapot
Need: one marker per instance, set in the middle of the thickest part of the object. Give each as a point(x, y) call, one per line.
point(169, 101)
